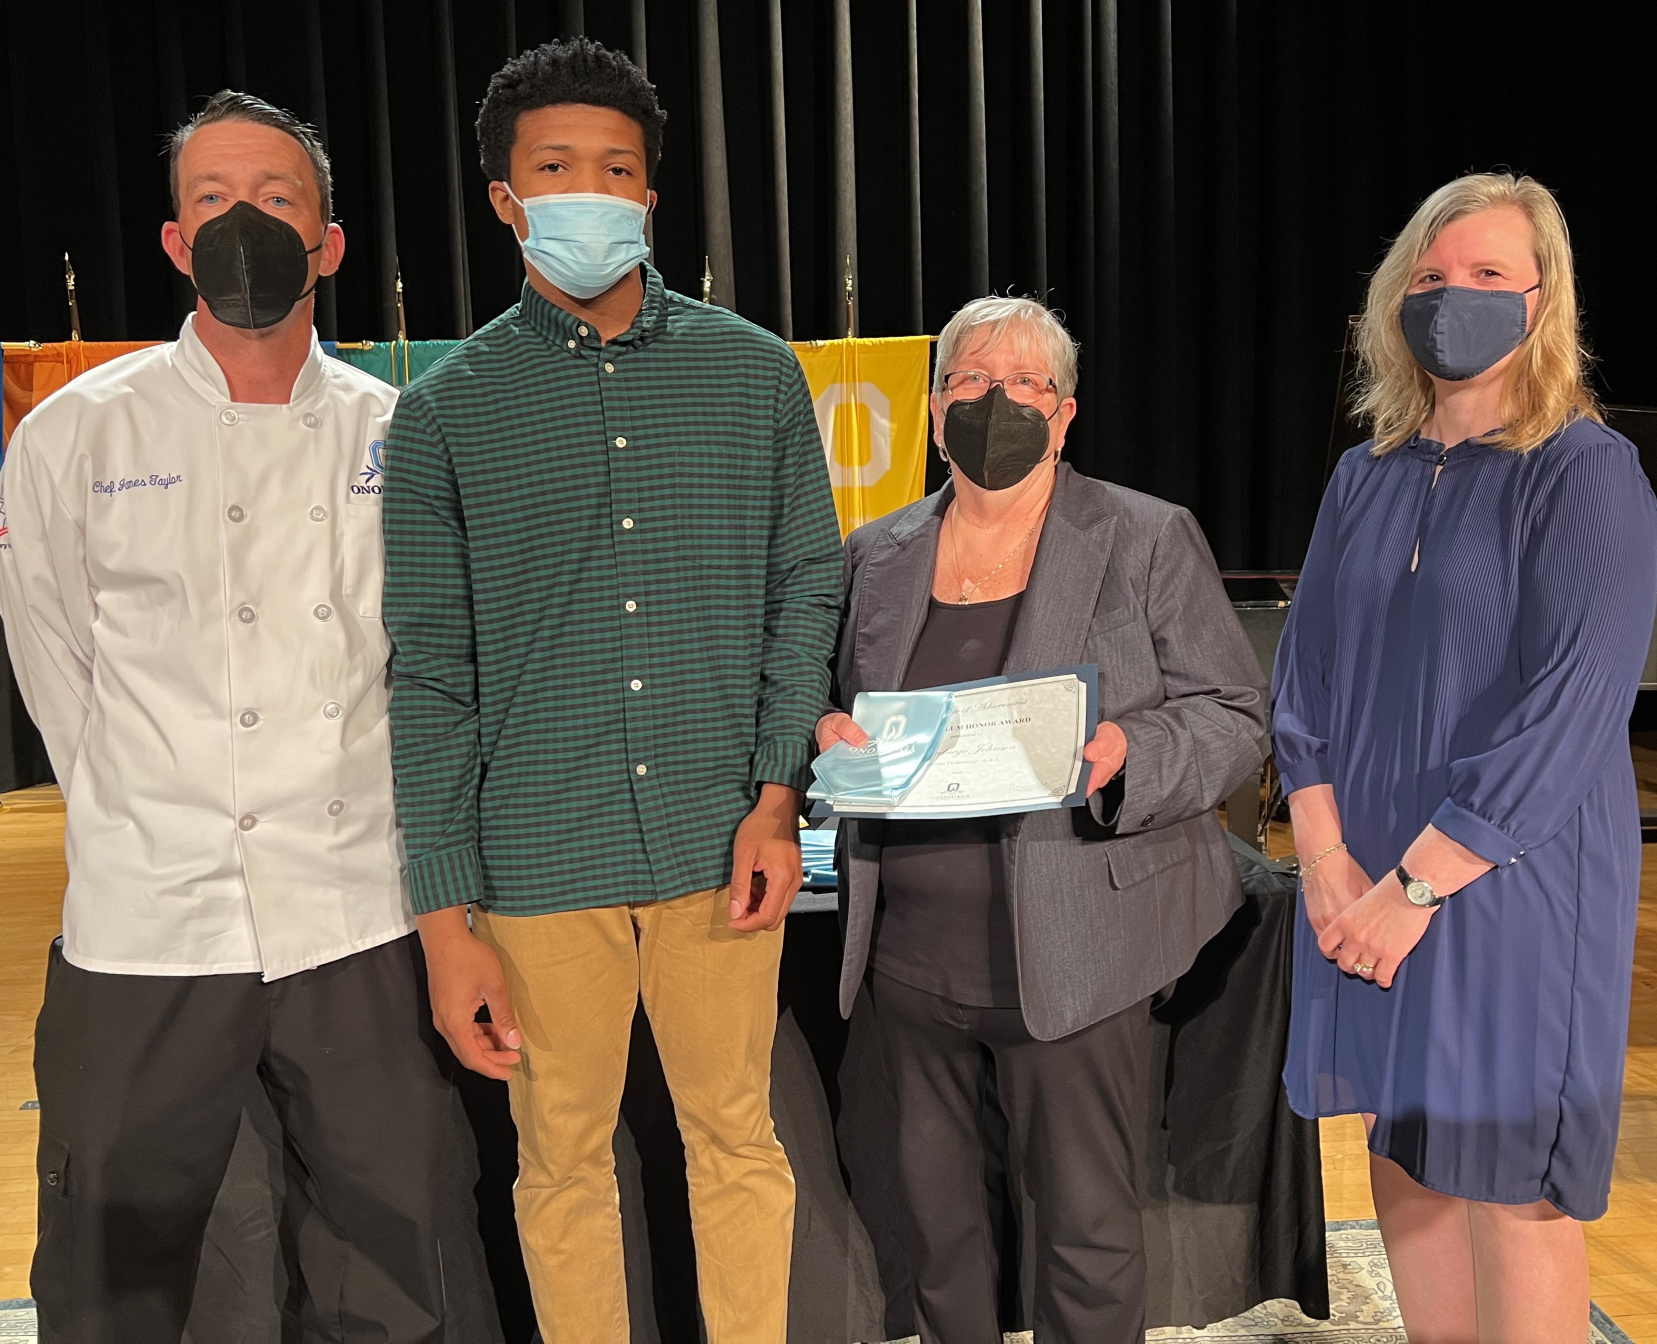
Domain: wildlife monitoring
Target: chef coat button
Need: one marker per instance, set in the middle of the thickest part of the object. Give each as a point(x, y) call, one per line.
point(571, 344)
point(620, 441)
point(332, 710)
point(228, 416)
point(632, 606)
point(318, 514)
point(641, 769)
point(627, 523)
point(1149, 818)
point(235, 513)
point(246, 615)
point(582, 330)
point(336, 807)
point(636, 684)
point(323, 612)
point(608, 367)
point(248, 718)
point(311, 419)
point(247, 821)
point(52, 1178)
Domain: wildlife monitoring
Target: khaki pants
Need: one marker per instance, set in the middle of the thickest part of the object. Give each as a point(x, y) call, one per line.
point(711, 994)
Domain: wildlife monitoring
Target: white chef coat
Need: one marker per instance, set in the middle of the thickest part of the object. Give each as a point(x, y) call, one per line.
point(191, 595)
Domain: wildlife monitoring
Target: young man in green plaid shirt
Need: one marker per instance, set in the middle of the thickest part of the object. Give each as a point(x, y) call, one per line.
point(613, 580)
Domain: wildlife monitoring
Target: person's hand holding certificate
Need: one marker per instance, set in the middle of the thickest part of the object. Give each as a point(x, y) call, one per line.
point(973, 750)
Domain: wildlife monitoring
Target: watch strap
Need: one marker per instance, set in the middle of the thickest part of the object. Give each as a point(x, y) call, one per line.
point(1406, 881)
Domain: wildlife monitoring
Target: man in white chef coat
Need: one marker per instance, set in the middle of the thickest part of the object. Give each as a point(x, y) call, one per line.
point(192, 605)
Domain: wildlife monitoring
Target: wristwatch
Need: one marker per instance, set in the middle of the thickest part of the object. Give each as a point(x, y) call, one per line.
point(1418, 892)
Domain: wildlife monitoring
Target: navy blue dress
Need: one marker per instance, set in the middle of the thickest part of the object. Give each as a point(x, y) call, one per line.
point(1486, 692)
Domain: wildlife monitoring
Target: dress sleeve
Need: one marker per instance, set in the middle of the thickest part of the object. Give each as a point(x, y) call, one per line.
point(436, 752)
point(1587, 593)
point(46, 600)
point(1305, 655)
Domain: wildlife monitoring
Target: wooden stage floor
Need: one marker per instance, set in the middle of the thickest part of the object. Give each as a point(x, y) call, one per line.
point(1622, 1246)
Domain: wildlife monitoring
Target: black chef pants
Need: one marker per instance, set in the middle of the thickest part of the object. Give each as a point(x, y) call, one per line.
point(142, 1080)
point(1074, 1110)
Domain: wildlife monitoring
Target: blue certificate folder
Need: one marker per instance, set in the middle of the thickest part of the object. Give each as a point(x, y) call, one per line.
point(905, 728)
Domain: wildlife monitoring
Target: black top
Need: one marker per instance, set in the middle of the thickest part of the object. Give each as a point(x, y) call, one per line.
point(941, 921)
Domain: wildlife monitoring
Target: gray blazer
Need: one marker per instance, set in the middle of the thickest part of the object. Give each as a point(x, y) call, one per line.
point(1102, 916)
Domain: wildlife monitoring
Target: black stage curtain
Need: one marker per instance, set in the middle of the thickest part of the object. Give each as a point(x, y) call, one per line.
point(1218, 179)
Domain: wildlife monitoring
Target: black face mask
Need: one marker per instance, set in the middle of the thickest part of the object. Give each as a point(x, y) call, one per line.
point(995, 441)
point(250, 267)
point(1456, 333)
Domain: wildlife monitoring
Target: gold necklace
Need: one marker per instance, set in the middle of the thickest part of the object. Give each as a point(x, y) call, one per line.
point(967, 586)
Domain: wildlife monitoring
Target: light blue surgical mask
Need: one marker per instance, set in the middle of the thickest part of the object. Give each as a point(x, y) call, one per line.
point(583, 241)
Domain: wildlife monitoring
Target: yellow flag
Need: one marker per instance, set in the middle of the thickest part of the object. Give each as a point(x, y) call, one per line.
point(870, 396)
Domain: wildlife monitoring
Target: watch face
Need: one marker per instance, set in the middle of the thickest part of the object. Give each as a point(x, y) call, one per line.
point(1420, 894)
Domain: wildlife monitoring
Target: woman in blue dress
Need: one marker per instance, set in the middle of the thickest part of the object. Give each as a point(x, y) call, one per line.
point(1450, 717)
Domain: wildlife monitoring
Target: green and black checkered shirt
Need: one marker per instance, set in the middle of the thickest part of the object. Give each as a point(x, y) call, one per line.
point(613, 581)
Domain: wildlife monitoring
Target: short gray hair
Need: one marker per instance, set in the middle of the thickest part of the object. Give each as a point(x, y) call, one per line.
point(988, 320)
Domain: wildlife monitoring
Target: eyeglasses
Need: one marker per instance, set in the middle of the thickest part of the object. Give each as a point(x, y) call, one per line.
point(1026, 387)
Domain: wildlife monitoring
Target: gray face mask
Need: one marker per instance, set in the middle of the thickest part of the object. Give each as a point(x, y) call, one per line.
point(1457, 333)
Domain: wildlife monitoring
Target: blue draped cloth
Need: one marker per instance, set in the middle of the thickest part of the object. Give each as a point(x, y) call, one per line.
point(1487, 692)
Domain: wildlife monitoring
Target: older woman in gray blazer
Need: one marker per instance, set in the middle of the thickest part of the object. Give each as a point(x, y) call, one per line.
point(1032, 945)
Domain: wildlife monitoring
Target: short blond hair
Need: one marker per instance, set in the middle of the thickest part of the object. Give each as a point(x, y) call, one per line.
point(990, 319)
point(1547, 383)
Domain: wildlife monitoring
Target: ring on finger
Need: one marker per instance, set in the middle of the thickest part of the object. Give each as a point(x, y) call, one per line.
point(1363, 969)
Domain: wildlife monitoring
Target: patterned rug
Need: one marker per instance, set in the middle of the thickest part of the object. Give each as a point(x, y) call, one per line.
point(1363, 1309)
point(17, 1321)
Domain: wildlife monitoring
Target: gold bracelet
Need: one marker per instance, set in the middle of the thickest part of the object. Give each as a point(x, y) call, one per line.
point(1307, 870)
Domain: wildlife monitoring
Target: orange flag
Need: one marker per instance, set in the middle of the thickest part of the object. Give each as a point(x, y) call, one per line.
point(32, 372)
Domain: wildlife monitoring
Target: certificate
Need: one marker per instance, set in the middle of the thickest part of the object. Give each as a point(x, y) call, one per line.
point(978, 749)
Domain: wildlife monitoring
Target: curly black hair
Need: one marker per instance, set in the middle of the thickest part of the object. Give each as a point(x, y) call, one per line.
point(575, 70)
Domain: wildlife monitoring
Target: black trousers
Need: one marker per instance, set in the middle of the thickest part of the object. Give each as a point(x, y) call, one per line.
point(142, 1080)
point(1075, 1110)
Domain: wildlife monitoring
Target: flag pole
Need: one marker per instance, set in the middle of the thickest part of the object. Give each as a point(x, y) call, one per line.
point(845, 149)
point(851, 300)
point(74, 303)
point(779, 178)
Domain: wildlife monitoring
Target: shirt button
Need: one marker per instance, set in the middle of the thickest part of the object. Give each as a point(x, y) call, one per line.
point(248, 718)
point(627, 523)
point(228, 416)
point(1149, 818)
point(571, 344)
point(336, 807)
point(620, 442)
point(246, 615)
point(235, 513)
point(632, 606)
point(247, 821)
point(608, 367)
point(332, 710)
point(582, 330)
point(641, 769)
point(311, 419)
point(318, 514)
point(636, 684)
point(323, 612)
